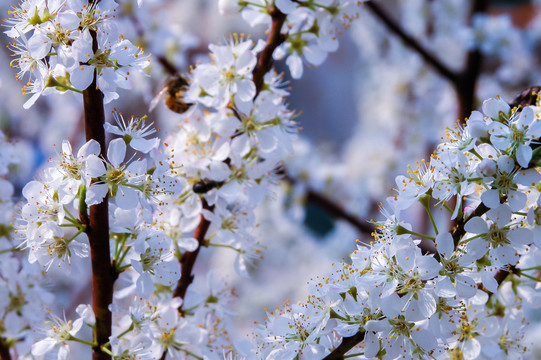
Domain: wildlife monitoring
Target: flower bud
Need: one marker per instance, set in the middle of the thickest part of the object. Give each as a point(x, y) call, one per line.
point(468, 210)
point(228, 7)
point(488, 167)
point(477, 125)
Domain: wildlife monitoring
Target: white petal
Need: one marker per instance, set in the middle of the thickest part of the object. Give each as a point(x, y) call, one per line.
point(82, 76)
point(116, 152)
point(126, 198)
point(96, 193)
point(445, 244)
point(476, 225)
point(295, 66)
point(94, 166)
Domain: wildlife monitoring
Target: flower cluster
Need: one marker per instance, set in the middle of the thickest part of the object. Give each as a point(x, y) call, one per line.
point(460, 291)
point(73, 182)
point(311, 27)
point(23, 296)
point(62, 44)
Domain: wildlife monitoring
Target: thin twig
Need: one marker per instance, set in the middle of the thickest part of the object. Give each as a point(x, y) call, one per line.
point(466, 82)
point(337, 211)
point(394, 27)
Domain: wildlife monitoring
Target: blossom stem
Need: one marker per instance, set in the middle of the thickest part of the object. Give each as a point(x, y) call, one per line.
point(9, 250)
point(76, 234)
point(352, 355)
point(107, 351)
point(103, 274)
point(121, 334)
point(224, 246)
point(448, 208)
point(91, 344)
point(531, 268)
point(425, 201)
point(252, 4)
point(530, 277)
point(400, 230)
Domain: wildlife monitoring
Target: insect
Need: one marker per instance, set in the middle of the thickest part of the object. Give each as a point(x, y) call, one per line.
point(205, 185)
point(527, 97)
point(172, 90)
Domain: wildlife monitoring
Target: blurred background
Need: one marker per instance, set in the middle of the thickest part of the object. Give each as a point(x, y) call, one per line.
point(405, 71)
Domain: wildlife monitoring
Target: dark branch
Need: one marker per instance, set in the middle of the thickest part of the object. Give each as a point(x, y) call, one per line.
point(4, 350)
point(275, 39)
point(331, 207)
point(467, 79)
point(395, 28)
point(347, 344)
point(103, 275)
point(187, 261)
point(338, 212)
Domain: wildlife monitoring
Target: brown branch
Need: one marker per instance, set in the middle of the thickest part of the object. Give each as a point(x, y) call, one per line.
point(187, 261)
point(395, 28)
point(4, 350)
point(264, 64)
point(103, 274)
point(331, 207)
point(467, 79)
point(464, 81)
point(275, 39)
point(338, 212)
point(347, 344)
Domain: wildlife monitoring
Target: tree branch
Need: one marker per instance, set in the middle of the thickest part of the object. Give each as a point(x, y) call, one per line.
point(467, 79)
point(347, 344)
point(331, 207)
point(275, 39)
point(464, 81)
point(4, 350)
point(338, 211)
point(187, 261)
point(395, 28)
point(103, 274)
point(264, 64)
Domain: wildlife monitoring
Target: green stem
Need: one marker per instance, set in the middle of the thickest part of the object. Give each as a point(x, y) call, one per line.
point(124, 332)
point(448, 208)
point(532, 268)
point(9, 250)
point(530, 277)
point(91, 344)
point(425, 200)
point(107, 351)
point(76, 234)
point(225, 246)
point(402, 230)
point(192, 354)
point(353, 355)
point(253, 4)
point(474, 152)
